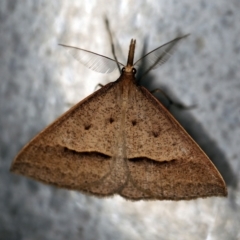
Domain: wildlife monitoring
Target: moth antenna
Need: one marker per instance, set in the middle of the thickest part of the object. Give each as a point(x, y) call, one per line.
point(159, 56)
point(92, 60)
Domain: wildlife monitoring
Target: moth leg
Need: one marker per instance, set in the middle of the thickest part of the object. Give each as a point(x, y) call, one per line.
point(171, 102)
point(98, 85)
point(112, 44)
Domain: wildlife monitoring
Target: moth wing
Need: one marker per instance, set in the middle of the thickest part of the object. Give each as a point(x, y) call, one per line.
point(164, 162)
point(70, 154)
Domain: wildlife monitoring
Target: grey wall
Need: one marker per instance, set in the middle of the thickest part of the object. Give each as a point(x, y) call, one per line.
point(39, 81)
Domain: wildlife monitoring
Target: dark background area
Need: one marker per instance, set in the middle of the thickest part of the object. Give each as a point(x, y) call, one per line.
point(39, 81)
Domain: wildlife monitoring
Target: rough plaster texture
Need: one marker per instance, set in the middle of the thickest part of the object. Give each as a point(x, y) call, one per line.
point(39, 80)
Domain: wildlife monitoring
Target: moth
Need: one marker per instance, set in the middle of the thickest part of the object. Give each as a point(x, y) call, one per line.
point(121, 140)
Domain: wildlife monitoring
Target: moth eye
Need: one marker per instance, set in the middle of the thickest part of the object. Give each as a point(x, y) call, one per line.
point(123, 69)
point(134, 70)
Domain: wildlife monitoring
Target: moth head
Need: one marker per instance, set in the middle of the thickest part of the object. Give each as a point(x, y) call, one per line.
point(129, 70)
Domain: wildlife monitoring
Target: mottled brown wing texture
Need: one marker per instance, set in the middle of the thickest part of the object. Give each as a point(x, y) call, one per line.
point(75, 152)
point(163, 160)
point(121, 140)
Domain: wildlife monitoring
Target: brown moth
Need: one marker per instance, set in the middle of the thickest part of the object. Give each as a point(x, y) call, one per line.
point(121, 140)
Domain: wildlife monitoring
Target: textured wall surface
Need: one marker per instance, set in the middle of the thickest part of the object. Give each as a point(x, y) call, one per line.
point(39, 81)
